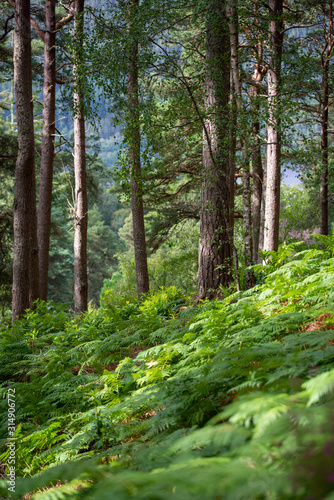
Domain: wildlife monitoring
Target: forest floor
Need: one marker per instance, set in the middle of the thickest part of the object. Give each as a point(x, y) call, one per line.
point(229, 399)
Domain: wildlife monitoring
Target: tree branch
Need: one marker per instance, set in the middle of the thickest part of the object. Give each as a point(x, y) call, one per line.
point(38, 30)
point(67, 19)
point(7, 30)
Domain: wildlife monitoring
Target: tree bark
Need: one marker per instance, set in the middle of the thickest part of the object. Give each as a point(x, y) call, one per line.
point(256, 155)
point(81, 202)
point(275, 40)
point(246, 192)
point(324, 156)
point(263, 201)
point(24, 269)
point(247, 217)
point(326, 55)
point(34, 290)
point(257, 180)
point(232, 153)
point(47, 157)
point(133, 132)
point(216, 245)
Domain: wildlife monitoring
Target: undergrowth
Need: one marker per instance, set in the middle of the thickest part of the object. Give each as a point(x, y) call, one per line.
point(229, 400)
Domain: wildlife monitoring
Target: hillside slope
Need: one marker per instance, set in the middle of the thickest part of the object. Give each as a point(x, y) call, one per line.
point(227, 400)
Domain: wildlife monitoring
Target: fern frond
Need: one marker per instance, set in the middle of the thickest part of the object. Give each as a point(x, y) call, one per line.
point(319, 386)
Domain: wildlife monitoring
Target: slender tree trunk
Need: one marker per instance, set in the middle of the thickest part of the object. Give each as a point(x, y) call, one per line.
point(255, 148)
point(232, 170)
point(49, 112)
point(263, 201)
point(34, 291)
point(24, 196)
point(247, 211)
point(134, 158)
point(324, 156)
point(11, 96)
point(271, 230)
point(257, 189)
point(326, 55)
point(247, 217)
point(256, 157)
point(232, 153)
point(216, 247)
point(81, 203)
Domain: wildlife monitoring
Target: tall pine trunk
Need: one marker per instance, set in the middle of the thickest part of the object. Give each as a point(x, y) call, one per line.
point(47, 157)
point(247, 217)
point(326, 55)
point(246, 192)
point(232, 169)
point(25, 272)
point(275, 40)
point(133, 133)
point(34, 290)
point(216, 245)
point(256, 154)
point(257, 177)
point(324, 157)
point(263, 202)
point(81, 202)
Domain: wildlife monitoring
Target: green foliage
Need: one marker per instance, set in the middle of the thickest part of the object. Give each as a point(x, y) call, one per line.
point(103, 241)
point(326, 242)
point(299, 213)
point(174, 263)
point(116, 305)
point(230, 399)
point(163, 302)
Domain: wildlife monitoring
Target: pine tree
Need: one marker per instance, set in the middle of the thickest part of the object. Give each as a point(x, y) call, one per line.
point(81, 202)
point(215, 249)
point(25, 264)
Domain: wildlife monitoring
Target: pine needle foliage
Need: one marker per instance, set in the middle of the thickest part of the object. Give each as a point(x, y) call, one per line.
point(228, 400)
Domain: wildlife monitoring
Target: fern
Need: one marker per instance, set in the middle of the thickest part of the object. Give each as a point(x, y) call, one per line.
point(319, 386)
point(231, 397)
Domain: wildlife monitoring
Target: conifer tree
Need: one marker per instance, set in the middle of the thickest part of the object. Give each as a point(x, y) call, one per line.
point(48, 36)
point(25, 263)
point(275, 41)
point(215, 248)
point(81, 202)
point(133, 133)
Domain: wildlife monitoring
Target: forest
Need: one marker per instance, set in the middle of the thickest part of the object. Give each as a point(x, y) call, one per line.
point(166, 249)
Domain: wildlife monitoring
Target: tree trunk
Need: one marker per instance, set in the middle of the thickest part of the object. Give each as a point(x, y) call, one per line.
point(257, 189)
point(133, 132)
point(271, 230)
point(256, 157)
point(324, 156)
point(25, 196)
point(232, 153)
point(232, 170)
point(216, 245)
point(247, 212)
point(326, 55)
point(49, 111)
point(263, 202)
point(34, 291)
point(81, 203)
point(247, 217)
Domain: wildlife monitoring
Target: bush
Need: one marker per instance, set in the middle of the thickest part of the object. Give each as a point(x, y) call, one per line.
point(114, 304)
point(163, 303)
